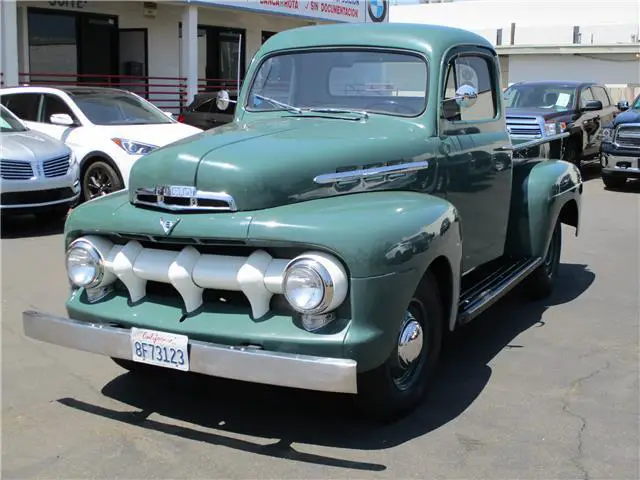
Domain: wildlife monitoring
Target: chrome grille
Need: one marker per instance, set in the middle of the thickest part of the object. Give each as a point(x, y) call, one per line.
point(528, 127)
point(177, 197)
point(628, 136)
point(15, 170)
point(56, 167)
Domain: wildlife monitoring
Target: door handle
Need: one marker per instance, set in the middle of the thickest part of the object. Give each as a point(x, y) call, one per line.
point(504, 148)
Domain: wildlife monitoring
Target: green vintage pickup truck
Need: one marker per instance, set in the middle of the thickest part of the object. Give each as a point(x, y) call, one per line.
point(366, 199)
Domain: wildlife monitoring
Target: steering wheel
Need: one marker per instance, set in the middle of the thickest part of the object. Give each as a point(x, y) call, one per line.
point(398, 106)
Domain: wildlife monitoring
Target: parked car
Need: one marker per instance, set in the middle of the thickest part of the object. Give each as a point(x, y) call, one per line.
point(317, 240)
point(209, 110)
point(621, 146)
point(38, 174)
point(539, 109)
point(108, 129)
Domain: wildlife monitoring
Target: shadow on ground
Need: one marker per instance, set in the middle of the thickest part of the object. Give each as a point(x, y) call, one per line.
point(220, 409)
point(23, 226)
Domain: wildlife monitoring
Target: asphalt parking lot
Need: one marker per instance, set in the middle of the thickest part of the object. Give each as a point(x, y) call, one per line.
point(544, 390)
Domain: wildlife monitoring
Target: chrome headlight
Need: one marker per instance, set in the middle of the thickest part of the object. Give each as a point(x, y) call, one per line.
point(607, 134)
point(132, 147)
point(85, 265)
point(314, 283)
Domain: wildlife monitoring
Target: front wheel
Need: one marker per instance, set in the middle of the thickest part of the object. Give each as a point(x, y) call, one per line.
point(613, 182)
point(396, 387)
point(100, 179)
point(543, 278)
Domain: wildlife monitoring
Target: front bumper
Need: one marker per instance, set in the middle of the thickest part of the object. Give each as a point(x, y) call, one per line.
point(622, 163)
point(36, 193)
point(247, 364)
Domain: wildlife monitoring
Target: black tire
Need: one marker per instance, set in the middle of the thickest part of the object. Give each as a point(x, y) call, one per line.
point(572, 154)
point(541, 282)
point(613, 182)
point(99, 178)
point(381, 395)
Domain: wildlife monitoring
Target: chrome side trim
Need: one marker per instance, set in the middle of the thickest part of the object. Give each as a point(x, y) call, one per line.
point(193, 200)
point(328, 178)
point(337, 375)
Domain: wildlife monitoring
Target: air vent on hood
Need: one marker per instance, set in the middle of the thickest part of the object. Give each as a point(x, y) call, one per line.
point(176, 197)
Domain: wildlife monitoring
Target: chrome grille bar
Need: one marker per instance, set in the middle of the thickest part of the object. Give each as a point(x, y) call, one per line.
point(15, 170)
point(56, 167)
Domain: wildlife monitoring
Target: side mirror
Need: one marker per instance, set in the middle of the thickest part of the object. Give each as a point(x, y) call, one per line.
point(466, 96)
point(61, 119)
point(592, 106)
point(223, 100)
point(623, 105)
point(168, 114)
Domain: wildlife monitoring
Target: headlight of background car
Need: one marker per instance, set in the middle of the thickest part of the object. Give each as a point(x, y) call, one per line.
point(132, 147)
point(84, 264)
point(607, 134)
point(315, 283)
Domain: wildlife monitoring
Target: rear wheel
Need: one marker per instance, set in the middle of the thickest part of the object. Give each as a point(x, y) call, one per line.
point(613, 181)
point(542, 279)
point(396, 387)
point(100, 179)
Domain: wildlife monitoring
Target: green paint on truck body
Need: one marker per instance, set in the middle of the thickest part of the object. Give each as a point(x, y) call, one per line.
point(470, 206)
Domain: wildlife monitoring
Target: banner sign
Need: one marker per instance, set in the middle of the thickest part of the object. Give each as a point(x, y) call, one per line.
point(349, 11)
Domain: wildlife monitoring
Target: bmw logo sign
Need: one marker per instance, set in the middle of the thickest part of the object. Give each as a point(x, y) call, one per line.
point(377, 10)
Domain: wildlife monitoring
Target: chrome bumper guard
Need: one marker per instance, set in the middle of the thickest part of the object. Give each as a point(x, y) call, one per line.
point(335, 375)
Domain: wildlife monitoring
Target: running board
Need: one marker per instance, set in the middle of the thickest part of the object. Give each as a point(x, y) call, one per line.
point(482, 295)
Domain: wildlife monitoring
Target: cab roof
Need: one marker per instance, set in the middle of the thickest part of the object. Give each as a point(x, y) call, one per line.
point(423, 38)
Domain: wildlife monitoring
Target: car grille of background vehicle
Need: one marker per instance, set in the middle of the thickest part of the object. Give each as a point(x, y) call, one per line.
point(15, 170)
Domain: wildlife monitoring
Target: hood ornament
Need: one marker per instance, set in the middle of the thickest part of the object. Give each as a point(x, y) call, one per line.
point(168, 225)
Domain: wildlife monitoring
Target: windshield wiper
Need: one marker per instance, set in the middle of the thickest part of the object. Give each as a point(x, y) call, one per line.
point(291, 108)
point(363, 113)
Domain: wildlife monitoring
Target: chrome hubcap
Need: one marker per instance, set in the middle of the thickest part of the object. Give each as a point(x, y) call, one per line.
point(410, 351)
point(410, 342)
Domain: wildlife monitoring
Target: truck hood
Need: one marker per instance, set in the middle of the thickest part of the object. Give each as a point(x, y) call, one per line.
point(545, 113)
point(273, 162)
point(630, 116)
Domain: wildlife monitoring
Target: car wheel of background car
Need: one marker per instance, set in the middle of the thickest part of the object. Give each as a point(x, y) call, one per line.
point(571, 153)
point(541, 281)
point(99, 179)
point(613, 181)
point(396, 387)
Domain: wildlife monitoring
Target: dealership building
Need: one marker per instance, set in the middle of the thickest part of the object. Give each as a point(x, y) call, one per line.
point(166, 51)
point(547, 39)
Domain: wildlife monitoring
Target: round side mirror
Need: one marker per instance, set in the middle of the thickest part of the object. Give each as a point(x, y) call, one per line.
point(466, 96)
point(222, 100)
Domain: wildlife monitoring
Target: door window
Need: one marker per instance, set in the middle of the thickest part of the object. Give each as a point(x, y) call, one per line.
point(475, 71)
point(23, 105)
point(585, 97)
point(53, 104)
point(601, 94)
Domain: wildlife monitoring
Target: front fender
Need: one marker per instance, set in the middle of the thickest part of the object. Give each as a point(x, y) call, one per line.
point(542, 193)
point(375, 233)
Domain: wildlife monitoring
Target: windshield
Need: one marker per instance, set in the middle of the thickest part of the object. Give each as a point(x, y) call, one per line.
point(374, 81)
point(118, 109)
point(548, 96)
point(9, 123)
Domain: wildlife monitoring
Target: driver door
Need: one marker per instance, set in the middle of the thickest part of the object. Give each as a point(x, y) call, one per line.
point(476, 153)
point(52, 104)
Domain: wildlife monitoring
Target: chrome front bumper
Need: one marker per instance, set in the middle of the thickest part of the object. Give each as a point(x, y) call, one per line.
point(610, 163)
point(336, 375)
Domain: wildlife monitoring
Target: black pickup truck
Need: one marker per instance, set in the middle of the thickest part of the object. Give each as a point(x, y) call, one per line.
point(544, 108)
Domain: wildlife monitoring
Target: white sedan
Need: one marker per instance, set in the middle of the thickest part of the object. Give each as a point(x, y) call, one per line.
point(106, 128)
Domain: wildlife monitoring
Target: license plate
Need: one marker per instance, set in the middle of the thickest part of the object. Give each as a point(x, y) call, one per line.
point(160, 348)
